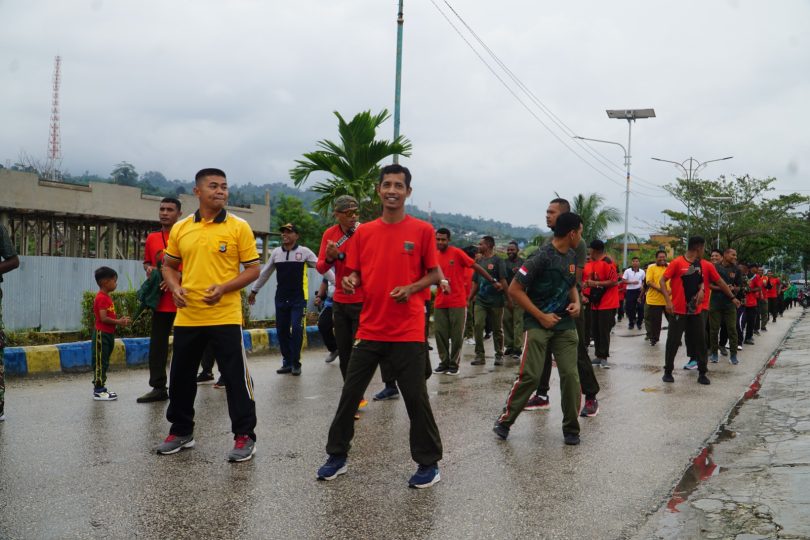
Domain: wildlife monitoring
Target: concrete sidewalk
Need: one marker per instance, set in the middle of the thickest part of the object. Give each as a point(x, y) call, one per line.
point(753, 480)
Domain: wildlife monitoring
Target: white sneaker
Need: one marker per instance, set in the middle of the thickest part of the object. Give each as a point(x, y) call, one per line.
point(469, 341)
point(102, 394)
point(2, 417)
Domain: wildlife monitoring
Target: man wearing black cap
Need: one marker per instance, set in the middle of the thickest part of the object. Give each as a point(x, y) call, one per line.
point(291, 261)
point(332, 255)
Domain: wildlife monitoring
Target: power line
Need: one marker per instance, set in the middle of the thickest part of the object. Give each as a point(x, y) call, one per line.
point(601, 158)
point(525, 106)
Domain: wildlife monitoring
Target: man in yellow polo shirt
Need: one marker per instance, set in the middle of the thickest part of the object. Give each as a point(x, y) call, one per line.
point(655, 302)
point(211, 244)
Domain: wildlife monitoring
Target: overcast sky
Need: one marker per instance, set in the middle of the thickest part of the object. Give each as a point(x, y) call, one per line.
point(248, 86)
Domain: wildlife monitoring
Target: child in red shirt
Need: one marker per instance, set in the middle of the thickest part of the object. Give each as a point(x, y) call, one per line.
point(103, 335)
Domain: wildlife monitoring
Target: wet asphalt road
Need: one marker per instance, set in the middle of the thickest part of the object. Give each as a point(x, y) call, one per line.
point(74, 468)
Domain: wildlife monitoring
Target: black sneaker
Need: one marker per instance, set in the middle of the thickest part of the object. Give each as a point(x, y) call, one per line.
point(509, 351)
point(478, 362)
point(451, 371)
point(205, 378)
point(668, 377)
point(440, 369)
point(284, 370)
point(155, 394)
point(501, 430)
point(296, 370)
point(748, 342)
point(703, 379)
point(723, 351)
point(498, 359)
point(220, 384)
point(653, 342)
point(571, 439)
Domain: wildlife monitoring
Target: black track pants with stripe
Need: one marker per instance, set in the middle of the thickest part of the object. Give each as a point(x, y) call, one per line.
point(229, 350)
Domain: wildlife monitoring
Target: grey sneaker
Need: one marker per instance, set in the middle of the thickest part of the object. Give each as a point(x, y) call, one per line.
point(2, 417)
point(604, 364)
point(331, 357)
point(175, 443)
point(243, 448)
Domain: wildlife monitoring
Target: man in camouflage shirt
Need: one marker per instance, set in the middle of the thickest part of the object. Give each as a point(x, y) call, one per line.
point(512, 314)
point(545, 287)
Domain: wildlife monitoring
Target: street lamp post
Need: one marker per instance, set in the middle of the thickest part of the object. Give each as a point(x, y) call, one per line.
point(398, 82)
point(630, 115)
point(694, 167)
point(720, 213)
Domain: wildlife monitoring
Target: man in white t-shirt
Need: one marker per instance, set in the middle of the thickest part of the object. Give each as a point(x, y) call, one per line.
point(633, 277)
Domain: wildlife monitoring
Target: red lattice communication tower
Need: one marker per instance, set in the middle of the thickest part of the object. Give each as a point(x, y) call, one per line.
point(55, 139)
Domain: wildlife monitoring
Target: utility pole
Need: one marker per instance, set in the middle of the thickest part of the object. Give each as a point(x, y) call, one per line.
point(631, 115)
point(398, 83)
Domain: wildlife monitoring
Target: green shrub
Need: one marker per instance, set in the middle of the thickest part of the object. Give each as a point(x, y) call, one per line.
point(126, 303)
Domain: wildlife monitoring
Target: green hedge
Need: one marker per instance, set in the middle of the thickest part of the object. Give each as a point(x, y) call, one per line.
point(126, 303)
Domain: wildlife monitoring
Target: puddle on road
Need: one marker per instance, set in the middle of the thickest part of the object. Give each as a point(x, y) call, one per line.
point(703, 466)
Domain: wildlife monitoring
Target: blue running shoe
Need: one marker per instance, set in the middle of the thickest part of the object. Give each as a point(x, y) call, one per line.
point(386, 393)
point(334, 467)
point(733, 360)
point(691, 365)
point(425, 476)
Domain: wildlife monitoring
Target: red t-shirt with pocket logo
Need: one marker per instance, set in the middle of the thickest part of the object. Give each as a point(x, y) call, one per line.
point(389, 255)
point(454, 264)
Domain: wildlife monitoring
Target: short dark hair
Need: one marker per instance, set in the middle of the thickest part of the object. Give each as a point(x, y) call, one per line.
point(564, 204)
point(716, 250)
point(104, 272)
point(635, 259)
point(728, 249)
point(752, 264)
point(488, 240)
point(470, 251)
point(395, 168)
point(173, 201)
point(445, 231)
point(695, 242)
point(660, 251)
point(202, 173)
point(597, 245)
point(513, 243)
point(566, 222)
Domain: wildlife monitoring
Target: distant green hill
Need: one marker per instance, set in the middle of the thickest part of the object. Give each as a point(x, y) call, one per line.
point(465, 229)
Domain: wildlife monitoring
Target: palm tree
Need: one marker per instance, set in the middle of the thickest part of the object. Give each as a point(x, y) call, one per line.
point(595, 218)
point(353, 164)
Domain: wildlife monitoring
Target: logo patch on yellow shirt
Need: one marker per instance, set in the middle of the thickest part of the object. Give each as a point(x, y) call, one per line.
point(223, 247)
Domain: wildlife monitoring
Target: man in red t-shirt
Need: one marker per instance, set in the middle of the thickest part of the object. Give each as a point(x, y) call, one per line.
point(163, 317)
point(752, 294)
point(772, 289)
point(602, 279)
point(332, 254)
point(394, 258)
point(689, 276)
point(450, 308)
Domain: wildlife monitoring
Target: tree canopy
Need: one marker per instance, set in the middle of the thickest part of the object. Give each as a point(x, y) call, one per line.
point(747, 216)
point(352, 164)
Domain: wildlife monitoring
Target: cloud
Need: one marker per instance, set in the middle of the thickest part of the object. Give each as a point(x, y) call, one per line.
point(250, 85)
